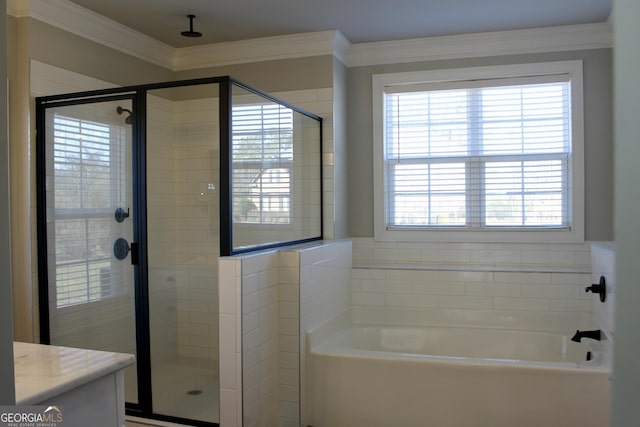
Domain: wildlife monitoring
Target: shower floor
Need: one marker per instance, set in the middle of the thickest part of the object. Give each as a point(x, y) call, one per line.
point(186, 388)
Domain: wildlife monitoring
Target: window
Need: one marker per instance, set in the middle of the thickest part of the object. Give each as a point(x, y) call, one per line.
point(87, 163)
point(481, 154)
point(262, 159)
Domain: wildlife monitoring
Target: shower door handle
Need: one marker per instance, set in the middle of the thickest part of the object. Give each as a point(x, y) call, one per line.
point(121, 249)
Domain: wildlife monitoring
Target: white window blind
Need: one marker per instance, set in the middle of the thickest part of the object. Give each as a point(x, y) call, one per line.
point(482, 154)
point(87, 164)
point(262, 159)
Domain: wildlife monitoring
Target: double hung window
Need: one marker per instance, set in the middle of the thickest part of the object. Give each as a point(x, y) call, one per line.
point(495, 150)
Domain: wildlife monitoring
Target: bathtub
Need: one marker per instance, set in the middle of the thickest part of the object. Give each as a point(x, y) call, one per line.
point(454, 377)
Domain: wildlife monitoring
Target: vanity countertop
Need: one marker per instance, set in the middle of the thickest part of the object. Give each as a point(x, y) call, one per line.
point(45, 371)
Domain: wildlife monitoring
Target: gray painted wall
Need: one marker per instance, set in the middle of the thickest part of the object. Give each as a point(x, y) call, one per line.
point(57, 47)
point(340, 155)
point(598, 134)
point(7, 387)
point(274, 76)
point(626, 363)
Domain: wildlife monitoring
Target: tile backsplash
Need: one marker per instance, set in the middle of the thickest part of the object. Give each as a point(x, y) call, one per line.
point(470, 284)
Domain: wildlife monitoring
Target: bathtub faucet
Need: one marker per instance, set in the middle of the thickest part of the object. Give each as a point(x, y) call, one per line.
point(594, 335)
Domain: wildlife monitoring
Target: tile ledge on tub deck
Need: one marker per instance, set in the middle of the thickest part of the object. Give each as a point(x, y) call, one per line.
point(520, 268)
point(604, 245)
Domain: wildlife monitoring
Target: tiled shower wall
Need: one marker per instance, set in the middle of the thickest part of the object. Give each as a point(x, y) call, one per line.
point(197, 222)
point(499, 285)
point(161, 171)
point(603, 263)
point(262, 327)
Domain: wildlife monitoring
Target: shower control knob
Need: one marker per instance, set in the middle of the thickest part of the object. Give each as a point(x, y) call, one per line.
point(598, 288)
point(121, 249)
point(120, 215)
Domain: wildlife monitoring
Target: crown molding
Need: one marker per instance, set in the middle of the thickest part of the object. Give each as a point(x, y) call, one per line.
point(18, 8)
point(256, 50)
point(71, 17)
point(75, 19)
point(341, 47)
point(537, 40)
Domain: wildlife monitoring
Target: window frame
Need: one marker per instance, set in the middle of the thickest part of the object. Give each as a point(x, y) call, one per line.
point(395, 81)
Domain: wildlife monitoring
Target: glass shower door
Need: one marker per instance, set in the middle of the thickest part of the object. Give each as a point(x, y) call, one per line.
point(88, 158)
point(183, 235)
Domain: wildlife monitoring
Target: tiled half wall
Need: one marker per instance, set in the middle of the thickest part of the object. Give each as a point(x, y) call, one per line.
point(267, 301)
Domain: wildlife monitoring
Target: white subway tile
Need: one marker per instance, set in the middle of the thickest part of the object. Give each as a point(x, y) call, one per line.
point(494, 289)
point(228, 410)
point(251, 396)
point(250, 283)
point(367, 298)
point(438, 288)
point(385, 286)
point(228, 290)
point(289, 376)
point(570, 305)
point(268, 349)
point(495, 256)
point(289, 275)
point(465, 276)
point(396, 255)
point(522, 277)
point(228, 373)
point(289, 326)
point(288, 292)
point(526, 304)
point(409, 300)
point(551, 291)
point(412, 275)
point(582, 279)
point(289, 393)
point(289, 310)
point(478, 302)
point(439, 255)
point(289, 360)
point(289, 343)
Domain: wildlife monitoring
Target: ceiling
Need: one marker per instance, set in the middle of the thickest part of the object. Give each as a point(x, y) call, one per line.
point(359, 21)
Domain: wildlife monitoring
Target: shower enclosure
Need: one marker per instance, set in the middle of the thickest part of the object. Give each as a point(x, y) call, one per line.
point(140, 190)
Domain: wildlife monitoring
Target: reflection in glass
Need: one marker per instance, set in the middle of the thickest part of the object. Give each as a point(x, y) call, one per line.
point(276, 174)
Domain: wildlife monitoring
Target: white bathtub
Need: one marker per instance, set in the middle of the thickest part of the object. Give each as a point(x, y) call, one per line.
point(454, 377)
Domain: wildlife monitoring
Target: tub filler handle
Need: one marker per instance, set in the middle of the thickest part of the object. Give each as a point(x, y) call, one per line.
point(594, 335)
point(599, 288)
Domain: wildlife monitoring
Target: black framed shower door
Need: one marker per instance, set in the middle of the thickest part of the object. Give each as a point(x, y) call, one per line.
point(93, 244)
point(105, 215)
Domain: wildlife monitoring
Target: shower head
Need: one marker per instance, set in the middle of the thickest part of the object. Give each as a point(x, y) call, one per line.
point(128, 120)
point(191, 33)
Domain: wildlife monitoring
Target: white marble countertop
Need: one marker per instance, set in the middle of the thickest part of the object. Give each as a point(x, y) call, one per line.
point(45, 371)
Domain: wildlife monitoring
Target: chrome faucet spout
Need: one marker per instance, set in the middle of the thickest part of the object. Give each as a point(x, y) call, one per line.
point(594, 335)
